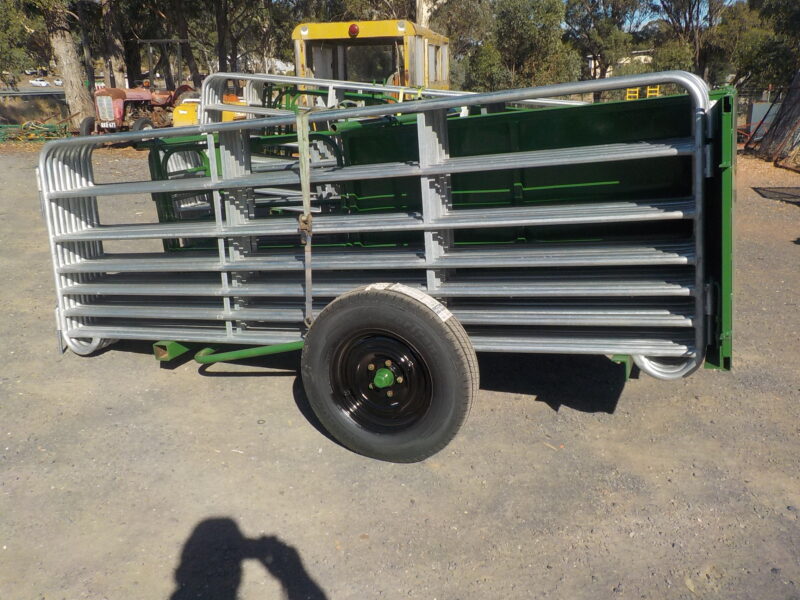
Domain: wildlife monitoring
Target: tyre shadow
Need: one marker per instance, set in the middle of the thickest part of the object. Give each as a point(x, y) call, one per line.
point(584, 383)
point(212, 557)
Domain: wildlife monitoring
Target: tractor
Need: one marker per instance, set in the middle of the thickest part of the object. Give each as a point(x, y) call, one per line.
point(391, 52)
point(143, 106)
point(120, 109)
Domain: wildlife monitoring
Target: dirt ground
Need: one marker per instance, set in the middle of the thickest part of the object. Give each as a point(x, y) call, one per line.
point(120, 479)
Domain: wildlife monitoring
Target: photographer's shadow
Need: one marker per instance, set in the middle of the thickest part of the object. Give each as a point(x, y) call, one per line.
point(211, 564)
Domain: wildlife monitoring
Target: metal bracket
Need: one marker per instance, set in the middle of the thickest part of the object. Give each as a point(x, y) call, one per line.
point(167, 350)
point(626, 361)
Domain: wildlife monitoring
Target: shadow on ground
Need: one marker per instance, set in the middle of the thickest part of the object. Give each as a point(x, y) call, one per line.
point(584, 383)
point(212, 557)
point(784, 194)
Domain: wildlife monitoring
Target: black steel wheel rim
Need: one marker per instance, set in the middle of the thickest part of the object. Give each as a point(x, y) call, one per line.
point(392, 408)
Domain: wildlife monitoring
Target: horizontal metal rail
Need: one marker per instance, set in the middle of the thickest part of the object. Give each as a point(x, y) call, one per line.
point(604, 315)
point(215, 85)
point(576, 344)
point(550, 255)
point(562, 214)
point(566, 343)
point(468, 164)
point(563, 285)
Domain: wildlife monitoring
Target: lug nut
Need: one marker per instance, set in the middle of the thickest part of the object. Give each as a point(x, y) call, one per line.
point(400, 379)
point(388, 363)
point(390, 393)
point(371, 367)
point(371, 386)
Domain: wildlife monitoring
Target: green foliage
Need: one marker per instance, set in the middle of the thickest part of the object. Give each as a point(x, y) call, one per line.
point(600, 29)
point(23, 39)
point(692, 22)
point(494, 44)
point(782, 51)
point(486, 71)
point(369, 10)
point(467, 24)
point(523, 48)
point(674, 54)
point(785, 18)
point(527, 32)
point(12, 30)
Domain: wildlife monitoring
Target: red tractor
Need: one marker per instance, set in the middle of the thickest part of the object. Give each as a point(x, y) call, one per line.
point(120, 109)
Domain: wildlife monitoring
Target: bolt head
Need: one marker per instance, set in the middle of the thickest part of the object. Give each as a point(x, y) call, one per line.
point(400, 379)
point(371, 367)
point(388, 363)
point(390, 393)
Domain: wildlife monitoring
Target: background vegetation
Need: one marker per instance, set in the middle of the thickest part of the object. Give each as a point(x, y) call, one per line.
point(494, 43)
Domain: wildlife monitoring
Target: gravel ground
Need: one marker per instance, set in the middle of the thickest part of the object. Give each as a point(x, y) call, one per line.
point(120, 479)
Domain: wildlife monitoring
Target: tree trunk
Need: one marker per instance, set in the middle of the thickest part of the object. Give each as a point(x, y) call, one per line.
point(207, 60)
point(164, 67)
point(179, 21)
point(602, 73)
point(221, 17)
point(233, 57)
point(133, 62)
point(115, 50)
point(424, 12)
point(784, 125)
point(86, 44)
point(77, 95)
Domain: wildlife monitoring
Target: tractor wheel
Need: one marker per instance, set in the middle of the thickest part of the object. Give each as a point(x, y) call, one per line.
point(142, 124)
point(389, 372)
point(87, 126)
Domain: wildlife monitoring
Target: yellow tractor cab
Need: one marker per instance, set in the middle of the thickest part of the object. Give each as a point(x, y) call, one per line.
point(384, 52)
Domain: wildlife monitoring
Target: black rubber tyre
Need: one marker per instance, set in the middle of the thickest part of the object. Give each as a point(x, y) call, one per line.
point(87, 126)
point(142, 124)
point(389, 328)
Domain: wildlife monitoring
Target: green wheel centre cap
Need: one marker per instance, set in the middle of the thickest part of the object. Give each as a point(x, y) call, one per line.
point(383, 378)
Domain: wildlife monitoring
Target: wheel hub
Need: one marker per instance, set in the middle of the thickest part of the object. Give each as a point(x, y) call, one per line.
point(380, 381)
point(383, 378)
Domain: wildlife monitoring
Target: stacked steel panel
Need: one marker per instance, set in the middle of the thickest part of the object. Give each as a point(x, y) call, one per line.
point(541, 265)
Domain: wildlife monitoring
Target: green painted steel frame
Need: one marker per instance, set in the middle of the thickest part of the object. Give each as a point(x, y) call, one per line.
point(721, 197)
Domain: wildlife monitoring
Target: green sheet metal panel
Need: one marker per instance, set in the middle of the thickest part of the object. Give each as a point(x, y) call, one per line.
point(720, 198)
